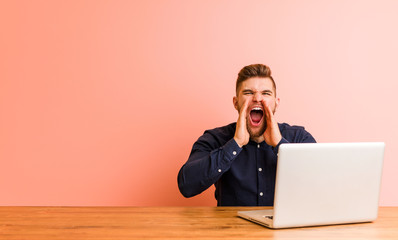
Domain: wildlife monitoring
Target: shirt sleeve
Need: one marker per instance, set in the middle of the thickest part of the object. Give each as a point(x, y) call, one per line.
point(206, 165)
point(276, 148)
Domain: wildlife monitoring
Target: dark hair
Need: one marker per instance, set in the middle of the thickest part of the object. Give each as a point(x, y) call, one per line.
point(254, 70)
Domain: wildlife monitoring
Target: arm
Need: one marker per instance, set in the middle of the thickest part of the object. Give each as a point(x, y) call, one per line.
point(209, 160)
point(206, 164)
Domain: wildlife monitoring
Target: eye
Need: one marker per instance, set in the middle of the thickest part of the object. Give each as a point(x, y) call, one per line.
point(267, 93)
point(247, 93)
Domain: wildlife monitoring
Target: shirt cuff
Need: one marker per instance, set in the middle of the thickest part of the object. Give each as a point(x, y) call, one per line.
point(276, 148)
point(231, 150)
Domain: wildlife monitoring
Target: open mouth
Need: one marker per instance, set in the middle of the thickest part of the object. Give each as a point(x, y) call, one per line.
point(256, 115)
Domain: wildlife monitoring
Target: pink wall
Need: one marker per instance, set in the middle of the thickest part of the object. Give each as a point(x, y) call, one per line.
point(101, 101)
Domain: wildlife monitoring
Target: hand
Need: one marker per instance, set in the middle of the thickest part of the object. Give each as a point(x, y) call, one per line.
point(242, 135)
point(272, 135)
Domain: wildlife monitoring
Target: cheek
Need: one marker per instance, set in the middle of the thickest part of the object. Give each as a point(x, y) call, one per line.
point(269, 101)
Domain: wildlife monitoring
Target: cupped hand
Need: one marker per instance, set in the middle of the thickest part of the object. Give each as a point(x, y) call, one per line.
point(272, 135)
point(242, 135)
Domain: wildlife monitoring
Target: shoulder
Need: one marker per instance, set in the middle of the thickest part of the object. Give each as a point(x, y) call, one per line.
point(295, 133)
point(217, 137)
point(287, 127)
point(224, 132)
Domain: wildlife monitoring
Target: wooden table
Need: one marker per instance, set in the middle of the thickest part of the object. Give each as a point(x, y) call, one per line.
point(74, 223)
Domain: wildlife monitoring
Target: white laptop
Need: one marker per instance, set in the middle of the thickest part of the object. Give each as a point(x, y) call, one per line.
point(324, 184)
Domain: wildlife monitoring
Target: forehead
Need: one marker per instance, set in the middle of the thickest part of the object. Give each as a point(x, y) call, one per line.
point(257, 83)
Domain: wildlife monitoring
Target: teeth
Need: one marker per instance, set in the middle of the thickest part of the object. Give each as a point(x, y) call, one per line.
point(257, 108)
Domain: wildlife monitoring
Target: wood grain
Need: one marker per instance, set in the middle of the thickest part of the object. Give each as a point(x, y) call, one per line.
point(170, 223)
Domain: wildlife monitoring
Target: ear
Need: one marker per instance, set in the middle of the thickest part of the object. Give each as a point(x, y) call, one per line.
point(235, 101)
point(277, 102)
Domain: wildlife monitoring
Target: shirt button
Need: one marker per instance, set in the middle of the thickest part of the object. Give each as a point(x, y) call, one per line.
point(260, 169)
point(258, 145)
point(234, 152)
point(261, 194)
point(219, 170)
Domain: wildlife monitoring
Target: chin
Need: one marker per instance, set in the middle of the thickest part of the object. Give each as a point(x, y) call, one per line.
point(257, 132)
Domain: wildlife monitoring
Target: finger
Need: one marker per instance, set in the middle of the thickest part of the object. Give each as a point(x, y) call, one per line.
point(266, 108)
point(268, 111)
point(242, 115)
point(244, 108)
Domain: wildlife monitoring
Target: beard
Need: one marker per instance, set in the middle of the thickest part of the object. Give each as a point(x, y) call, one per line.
point(259, 131)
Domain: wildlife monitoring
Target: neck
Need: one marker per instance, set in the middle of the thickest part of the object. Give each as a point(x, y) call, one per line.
point(258, 139)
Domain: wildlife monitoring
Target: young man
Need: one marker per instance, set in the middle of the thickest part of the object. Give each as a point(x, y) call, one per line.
point(241, 158)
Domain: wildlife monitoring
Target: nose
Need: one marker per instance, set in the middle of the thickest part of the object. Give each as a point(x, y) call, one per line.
point(257, 97)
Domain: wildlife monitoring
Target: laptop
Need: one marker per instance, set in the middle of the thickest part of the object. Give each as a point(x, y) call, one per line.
point(324, 184)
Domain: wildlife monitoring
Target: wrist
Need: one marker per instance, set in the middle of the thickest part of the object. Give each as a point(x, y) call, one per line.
point(277, 141)
point(240, 144)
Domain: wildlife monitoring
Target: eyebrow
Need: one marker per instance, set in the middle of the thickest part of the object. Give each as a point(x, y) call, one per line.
point(267, 91)
point(247, 90)
point(263, 91)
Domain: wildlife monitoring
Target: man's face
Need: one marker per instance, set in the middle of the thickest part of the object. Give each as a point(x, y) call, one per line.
point(254, 90)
